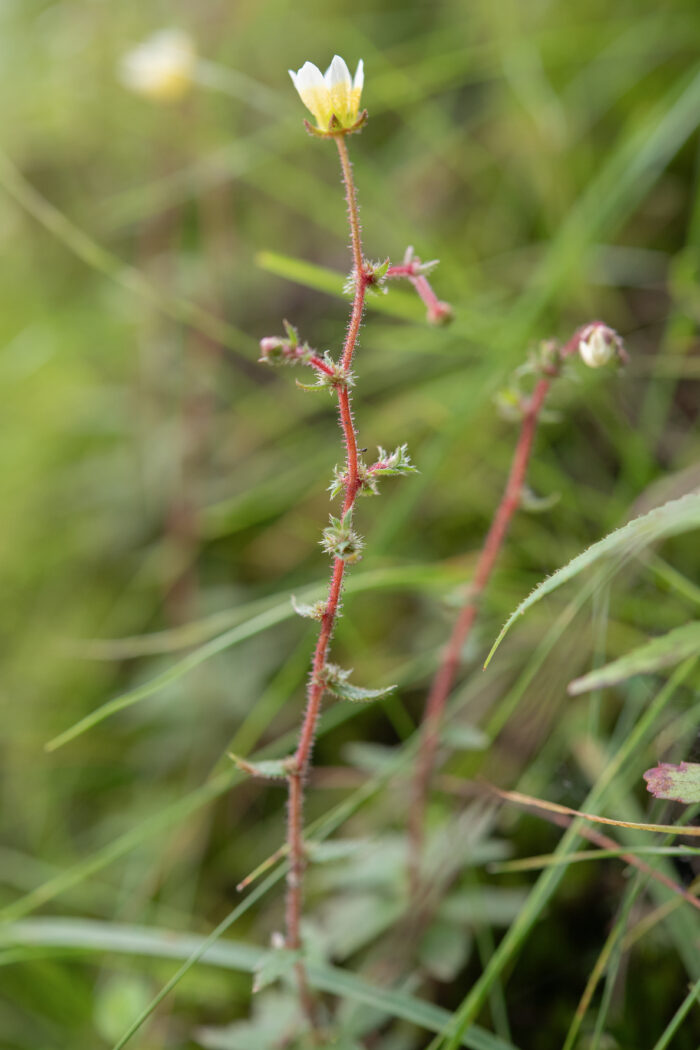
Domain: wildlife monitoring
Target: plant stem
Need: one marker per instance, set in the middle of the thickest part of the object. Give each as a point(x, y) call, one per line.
point(438, 311)
point(445, 675)
point(316, 688)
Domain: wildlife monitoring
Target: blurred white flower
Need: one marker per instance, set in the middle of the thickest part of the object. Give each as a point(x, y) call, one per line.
point(161, 67)
point(334, 95)
point(597, 345)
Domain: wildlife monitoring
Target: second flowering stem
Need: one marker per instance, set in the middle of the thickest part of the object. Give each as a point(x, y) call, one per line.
point(596, 344)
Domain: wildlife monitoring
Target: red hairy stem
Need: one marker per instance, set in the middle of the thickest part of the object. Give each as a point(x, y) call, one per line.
point(320, 364)
point(437, 310)
point(445, 675)
point(316, 688)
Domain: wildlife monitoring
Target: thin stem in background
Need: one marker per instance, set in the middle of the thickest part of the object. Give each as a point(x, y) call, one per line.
point(302, 757)
point(445, 675)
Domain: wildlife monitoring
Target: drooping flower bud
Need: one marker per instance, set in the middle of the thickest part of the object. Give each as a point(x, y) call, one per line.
point(598, 345)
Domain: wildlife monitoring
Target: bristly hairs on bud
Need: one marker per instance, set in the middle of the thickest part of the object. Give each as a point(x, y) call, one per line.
point(340, 539)
point(332, 376)
point(390, 464)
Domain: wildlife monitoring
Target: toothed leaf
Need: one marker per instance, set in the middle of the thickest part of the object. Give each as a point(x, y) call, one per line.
point(393, 463)
point(273, 769)
point(348, 691)
point(335, 681)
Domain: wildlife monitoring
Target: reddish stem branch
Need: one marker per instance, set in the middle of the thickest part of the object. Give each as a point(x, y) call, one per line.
point(438, 311)
point(445, 675)
point(316, 362)
point(316, 689)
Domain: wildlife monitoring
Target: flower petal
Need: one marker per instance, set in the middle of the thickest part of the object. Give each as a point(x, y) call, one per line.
point(356, 92)
point(313, 92)
point(338, 73)
point(339, 84)
point(359, 81)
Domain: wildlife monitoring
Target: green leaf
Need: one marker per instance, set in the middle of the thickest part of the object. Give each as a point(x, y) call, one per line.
point(356, 693)
point(465, 738)
point(444, 950)
point(335, 680)
point(535, 504)
point(275, 1017)
point(393, 464)
point(348, 691)
point(496, 905)
point(676, 783)
point(677, 516)
point(99, 937)
point(334, 850)
point(116, 1001)
point(272, 769)
point(397, 304)
point(277, 963)
point(665, 651)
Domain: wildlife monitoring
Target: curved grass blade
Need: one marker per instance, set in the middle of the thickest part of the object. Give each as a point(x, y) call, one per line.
point(270, 617)
point(671, 519)
point(95, 936)
point(678, 1018)
point(321, 279)
point(665, 651)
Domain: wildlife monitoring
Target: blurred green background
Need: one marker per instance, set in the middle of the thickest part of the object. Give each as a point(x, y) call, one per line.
point(159, 487)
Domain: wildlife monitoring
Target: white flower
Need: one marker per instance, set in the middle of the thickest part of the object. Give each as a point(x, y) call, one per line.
point(162, 67)
point(334, 95)
point(597, 345)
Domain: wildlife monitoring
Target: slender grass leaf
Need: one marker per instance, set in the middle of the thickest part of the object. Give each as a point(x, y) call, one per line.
point(665, 651)
point(95, 936)
point(397, 304)
point(671, 519)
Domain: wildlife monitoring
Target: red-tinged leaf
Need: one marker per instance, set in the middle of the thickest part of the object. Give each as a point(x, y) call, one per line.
point(676, 783)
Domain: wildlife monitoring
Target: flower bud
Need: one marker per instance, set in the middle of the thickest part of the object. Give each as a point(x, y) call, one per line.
point(440, 313)
point(598, 345)
point(273, 349)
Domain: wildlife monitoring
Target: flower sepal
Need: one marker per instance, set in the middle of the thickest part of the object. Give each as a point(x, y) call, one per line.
point(335, 128)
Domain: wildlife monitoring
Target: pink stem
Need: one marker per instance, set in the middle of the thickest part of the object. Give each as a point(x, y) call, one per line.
point(437, 310)
point(445, 675)
point(316, 689)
